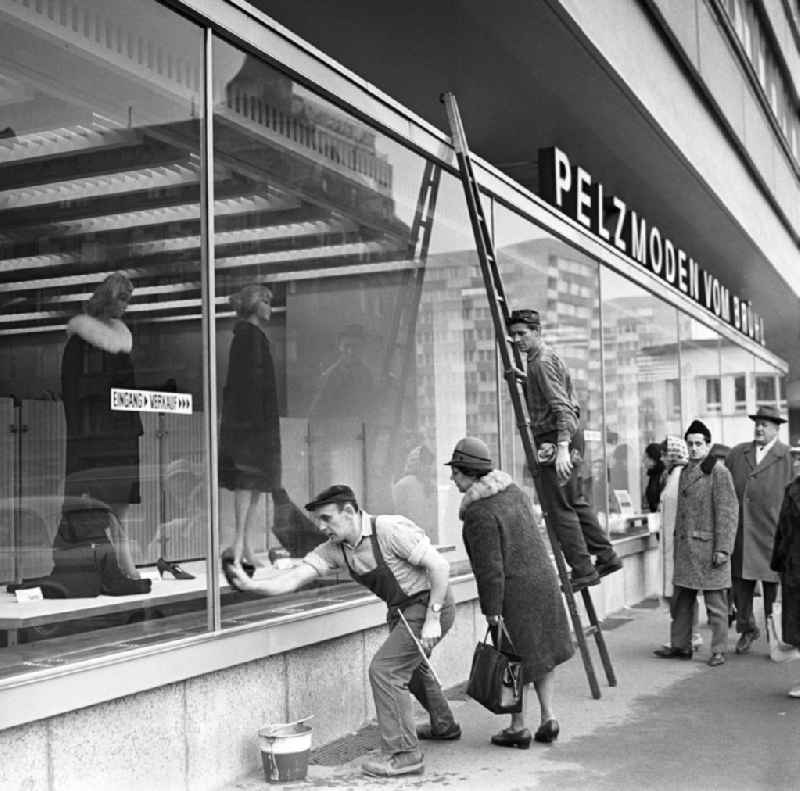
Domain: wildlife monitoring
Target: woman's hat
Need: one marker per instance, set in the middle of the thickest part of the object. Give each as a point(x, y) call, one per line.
point(471, 453)
point(768, 412)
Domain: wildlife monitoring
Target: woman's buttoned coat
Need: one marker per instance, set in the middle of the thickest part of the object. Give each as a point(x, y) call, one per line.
point(516, 577)
point(705, 523)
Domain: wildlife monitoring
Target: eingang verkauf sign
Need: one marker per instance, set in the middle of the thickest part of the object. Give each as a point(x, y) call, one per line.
point(572, 190)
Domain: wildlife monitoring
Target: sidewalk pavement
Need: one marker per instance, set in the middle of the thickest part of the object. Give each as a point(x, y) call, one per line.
point(669, 724)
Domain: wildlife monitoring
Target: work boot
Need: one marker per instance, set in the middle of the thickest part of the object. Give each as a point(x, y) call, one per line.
point(746, 640)
point(609, 565)
point(579, 581)
point(427, 732)
point(673, 653)
point(410, 763)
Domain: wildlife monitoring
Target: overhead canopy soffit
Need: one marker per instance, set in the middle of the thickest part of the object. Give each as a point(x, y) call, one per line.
point(524, 81)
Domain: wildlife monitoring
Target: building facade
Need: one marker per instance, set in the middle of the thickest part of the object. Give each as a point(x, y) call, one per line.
point(201, 147)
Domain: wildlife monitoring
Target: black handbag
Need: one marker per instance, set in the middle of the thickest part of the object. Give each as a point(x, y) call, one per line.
point(495, 680)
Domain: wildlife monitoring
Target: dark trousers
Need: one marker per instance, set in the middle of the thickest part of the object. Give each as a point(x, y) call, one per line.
point(568, 512)
point(743, 597)
point(397, 669)
point(682, 611)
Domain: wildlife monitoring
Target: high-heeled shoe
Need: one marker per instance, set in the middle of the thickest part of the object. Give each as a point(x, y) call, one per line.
point(547, 733)
point(165, 567)
point(509, 738)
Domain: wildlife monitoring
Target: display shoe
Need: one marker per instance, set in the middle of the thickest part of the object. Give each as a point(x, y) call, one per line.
point(716, 660)
point(509, 738)
point(394, 765)
point(794, 692)
point(227, 558)
point(547, 733)
point(746, 640)
point(427, 732)
point(673, 653)
point(165, 567)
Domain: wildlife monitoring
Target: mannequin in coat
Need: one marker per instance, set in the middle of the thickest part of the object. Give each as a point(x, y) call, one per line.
point(250, 443)
point(102, 459)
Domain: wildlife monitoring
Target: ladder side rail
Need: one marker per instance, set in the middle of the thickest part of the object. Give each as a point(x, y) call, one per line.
point(499, 310)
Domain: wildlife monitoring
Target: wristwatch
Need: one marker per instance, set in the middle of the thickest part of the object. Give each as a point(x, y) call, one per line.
point(435, 607)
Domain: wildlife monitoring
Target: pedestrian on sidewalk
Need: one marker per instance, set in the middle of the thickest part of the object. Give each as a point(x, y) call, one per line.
point(676, 457)
point(394, 558)
point(705, 525)
point(760, 469)
point(516, 581)
point(555, 422)
point(785, 560)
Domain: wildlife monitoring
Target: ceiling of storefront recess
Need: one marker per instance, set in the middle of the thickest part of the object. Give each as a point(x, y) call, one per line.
point(524, 81)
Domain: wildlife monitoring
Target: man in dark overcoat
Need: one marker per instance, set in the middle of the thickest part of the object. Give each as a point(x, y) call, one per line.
point(705, 526)
point(760, 469)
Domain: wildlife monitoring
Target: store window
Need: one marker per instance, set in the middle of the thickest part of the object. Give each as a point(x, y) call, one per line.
point(765, 390)
point(100, 289)
point(542, 272)
point(713, 395)
point(700, 361)
point(640, 377)
point(347, 291)
point(740, 393)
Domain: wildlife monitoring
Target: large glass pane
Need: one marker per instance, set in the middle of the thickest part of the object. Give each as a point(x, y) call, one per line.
point(737, 393)
point(99, 203)
point(542, 272)
point(702, 380)
point(642, 391)
point(357, 370)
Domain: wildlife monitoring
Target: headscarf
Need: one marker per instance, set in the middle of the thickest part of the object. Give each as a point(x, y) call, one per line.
point(677, 453)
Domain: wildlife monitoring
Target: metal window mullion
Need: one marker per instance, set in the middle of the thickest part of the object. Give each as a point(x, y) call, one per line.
point(208, 324)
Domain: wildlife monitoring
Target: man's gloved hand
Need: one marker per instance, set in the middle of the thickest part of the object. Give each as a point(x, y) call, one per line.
point(719, 559)
point(493, 620)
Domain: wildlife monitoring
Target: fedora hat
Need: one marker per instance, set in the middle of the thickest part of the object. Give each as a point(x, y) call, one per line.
point(768, 412)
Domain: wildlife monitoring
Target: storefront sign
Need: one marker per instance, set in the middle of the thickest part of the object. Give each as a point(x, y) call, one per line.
point(572, 190)
point(150, 401)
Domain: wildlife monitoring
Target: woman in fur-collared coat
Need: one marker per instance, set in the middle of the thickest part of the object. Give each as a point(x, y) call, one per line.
point(516, 579)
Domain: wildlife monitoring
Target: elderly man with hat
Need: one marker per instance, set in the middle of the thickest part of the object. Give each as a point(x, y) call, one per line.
point(392, 557)
point(555, 422)
point(760, 469)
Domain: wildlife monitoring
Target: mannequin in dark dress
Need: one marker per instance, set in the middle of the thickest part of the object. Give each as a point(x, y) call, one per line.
point(250, 443)
point(102, 459)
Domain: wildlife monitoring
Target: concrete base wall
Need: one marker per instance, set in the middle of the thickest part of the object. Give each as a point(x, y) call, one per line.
point(201, 733)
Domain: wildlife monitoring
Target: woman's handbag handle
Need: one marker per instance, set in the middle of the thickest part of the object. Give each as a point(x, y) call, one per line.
point(501, 630)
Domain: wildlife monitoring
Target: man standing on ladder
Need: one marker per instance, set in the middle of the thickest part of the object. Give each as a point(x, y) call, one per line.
point(554, 414)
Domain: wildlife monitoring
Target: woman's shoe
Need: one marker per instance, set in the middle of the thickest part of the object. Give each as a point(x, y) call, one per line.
point(547, 733)
point(509, 738)
point(165, 567)
point(228, 557)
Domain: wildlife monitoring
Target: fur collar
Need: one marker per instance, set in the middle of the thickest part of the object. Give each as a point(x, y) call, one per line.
point(111, 336)
point(490, 484)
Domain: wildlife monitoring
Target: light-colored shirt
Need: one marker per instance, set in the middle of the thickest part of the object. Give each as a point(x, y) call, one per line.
point(402, 543)
point(761, 452)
